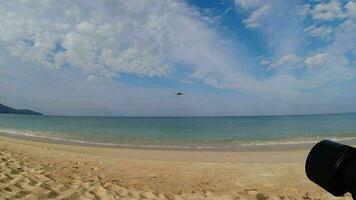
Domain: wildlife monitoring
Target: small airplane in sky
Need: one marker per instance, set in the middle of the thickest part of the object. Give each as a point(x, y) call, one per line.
point(179, 94)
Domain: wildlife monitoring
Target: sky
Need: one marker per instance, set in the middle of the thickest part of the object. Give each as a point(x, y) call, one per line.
point(129, 58)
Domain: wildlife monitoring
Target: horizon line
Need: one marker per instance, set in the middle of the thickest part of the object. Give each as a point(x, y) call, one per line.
point(202, 116)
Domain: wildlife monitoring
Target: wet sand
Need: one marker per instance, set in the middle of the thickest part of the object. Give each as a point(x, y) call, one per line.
point(42, 170)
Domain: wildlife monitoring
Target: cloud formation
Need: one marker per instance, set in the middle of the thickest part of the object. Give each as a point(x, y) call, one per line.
point(283, 49)
point(290, 37)
point(319, 31)
point(285, 60)
point(108, 38)
point(327, 11)
point(256, 18)
point(316, 60)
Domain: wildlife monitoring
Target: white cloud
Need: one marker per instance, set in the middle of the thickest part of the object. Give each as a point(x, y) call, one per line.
point(102, 39)
point(146, 39)
point(285, 60)
point(185, 81)
point(257, 17)
point(316, 60)
point(344, 39)
point(112, 37)
point(327, 11)
point(304, 10)
point(328, 68)
point(96, 42)
point(319, 31)
point(265, 61)
point(351, 9)
point(270, 15)
point(247, 4)
point(73, 11)
point(290, 40)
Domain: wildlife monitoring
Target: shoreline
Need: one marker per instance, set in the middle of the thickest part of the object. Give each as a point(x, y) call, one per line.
point(275, 155)
point(63, 171)
point(180, 134)
point(283, 145)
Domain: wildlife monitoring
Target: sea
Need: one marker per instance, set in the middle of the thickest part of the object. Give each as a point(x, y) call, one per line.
point(215, 133)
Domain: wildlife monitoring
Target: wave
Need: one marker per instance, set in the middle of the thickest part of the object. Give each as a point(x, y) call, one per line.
point(236, 144)
point(36, 135)
point(297, 141)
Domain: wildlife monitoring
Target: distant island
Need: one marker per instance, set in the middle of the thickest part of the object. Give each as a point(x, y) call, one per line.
point(7, 110)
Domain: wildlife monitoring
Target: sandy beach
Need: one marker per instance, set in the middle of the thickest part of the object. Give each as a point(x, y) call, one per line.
point(42, 170)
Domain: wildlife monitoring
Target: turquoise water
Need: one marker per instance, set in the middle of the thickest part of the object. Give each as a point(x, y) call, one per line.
point(184, 132)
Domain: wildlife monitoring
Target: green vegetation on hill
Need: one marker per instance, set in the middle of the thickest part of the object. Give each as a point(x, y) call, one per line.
point(8, 110)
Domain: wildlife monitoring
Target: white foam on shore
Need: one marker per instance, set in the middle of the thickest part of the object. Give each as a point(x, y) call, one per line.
point(34, 135)
point(297, 141)
point(302, 141)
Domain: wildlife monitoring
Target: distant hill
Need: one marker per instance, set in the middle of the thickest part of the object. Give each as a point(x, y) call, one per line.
point(8, 110)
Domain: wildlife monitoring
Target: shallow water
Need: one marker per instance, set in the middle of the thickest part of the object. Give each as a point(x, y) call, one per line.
point(185, 132)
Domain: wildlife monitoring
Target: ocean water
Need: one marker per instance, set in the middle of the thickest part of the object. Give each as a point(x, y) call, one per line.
point(183, 132)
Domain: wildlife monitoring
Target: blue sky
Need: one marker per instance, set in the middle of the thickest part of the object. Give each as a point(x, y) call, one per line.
point(128, 58)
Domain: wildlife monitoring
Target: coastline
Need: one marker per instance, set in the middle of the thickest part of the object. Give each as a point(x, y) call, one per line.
point(188, 155)
point(184, 134)
point(118, 173)
point(256, 146)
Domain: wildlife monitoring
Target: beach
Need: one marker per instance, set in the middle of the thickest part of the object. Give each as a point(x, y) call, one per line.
point(43, 170)
point(177, 99)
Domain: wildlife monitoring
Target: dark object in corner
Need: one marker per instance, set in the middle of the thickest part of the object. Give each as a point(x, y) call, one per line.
point(7, 110)
point(332, 166)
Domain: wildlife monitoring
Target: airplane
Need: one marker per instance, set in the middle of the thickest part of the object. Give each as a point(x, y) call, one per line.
point(179, 94)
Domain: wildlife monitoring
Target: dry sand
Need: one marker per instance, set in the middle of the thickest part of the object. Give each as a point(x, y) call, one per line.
point(39, 170)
